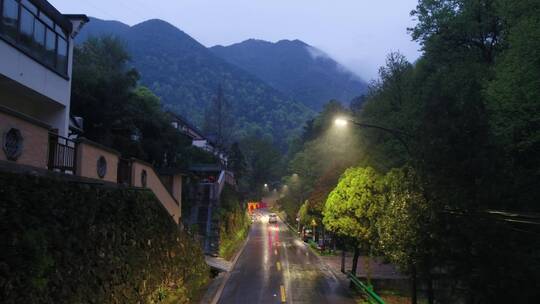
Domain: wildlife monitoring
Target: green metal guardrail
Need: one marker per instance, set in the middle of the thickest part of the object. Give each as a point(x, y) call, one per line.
point(372, 297)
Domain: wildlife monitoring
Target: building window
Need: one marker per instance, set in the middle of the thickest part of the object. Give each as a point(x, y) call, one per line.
point(61, 53)
point(27, 29)
point(36, 34)
point(50, 48)
point(10, 19)
point(101, 167)
point(39, 39)
point(13, 144)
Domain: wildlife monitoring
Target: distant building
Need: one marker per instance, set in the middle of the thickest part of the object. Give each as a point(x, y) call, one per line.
point(197, 138)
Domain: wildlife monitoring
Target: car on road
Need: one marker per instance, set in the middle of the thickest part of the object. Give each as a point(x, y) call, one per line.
point(272, 218)
point(307, 234)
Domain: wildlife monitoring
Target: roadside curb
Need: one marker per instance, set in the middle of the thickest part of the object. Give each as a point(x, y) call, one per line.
point(217, 295)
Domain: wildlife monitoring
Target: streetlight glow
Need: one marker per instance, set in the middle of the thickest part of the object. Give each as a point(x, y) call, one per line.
point(340, 122)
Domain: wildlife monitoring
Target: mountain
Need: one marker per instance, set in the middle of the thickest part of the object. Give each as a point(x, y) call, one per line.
point(186, 75)
point(98, 27)
point(295, 68)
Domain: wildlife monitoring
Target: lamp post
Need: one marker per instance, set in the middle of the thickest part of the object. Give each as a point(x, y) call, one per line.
point(341, 122)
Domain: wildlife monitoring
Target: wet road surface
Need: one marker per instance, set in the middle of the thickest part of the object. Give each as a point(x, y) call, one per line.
point(276, 267)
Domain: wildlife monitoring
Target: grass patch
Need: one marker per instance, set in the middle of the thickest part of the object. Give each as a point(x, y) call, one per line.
point(230, 245)
point(234, 223)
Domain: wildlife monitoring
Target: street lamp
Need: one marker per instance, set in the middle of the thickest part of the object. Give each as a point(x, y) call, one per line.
point(343, 122)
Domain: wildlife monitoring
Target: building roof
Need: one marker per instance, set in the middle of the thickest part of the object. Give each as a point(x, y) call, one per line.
point(173, 171)
point(54, 14)
point(208, 138)
point(205, 168)
point(186, 122)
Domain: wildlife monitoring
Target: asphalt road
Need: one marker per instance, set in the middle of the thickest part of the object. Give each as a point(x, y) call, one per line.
point(276, 267)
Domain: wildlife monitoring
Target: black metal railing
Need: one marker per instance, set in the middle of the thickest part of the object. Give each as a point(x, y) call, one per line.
point(62, 154)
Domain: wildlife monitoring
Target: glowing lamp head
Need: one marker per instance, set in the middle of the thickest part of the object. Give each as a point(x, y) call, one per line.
point(340, 122)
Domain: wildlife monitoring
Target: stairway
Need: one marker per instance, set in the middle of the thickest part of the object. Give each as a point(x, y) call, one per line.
point(206, 198)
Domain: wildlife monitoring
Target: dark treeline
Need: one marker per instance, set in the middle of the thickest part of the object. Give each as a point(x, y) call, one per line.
point(120, 113)
point(457, 205)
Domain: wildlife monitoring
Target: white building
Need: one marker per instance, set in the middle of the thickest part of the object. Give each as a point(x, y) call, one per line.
point(197, 137)
point(36, 47)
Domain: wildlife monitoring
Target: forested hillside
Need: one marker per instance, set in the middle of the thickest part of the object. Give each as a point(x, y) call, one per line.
point(186, 75)
point(302, 71)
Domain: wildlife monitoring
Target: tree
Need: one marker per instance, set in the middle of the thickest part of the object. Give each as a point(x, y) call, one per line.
point(357, 103)
point(404, 225)
point(237, 161)
point(319, 156)
point(218, 120)
point(102, 85)
point(514, 107)
point(352, 208)
point(450, 30)
point(117, 112)
point(262, 162)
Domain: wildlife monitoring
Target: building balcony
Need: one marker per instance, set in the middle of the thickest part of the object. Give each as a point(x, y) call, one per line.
point(36, 47)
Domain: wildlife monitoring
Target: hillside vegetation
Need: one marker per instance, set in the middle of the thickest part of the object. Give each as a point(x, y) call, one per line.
point(295, 68)
point(186, 76)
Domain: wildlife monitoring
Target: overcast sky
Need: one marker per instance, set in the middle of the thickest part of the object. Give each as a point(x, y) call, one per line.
point(357, 33)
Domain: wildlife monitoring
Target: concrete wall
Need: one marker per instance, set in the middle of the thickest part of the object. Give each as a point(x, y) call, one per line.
point(173, 183)
point(23, 70)
point(155, 184)
point(88, 154)
point(177, 188)
point(35, 140)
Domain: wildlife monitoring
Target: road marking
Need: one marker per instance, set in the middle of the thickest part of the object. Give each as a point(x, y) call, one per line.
point(278, 265)
point(283, 295)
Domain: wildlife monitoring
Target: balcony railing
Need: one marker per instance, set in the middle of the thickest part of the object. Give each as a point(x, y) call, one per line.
point(62, 154)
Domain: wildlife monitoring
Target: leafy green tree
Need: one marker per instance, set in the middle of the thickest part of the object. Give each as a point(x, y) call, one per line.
point(404, 225)
point(353, 207)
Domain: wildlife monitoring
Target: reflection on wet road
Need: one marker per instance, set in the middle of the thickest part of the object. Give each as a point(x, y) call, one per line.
point(276, 267)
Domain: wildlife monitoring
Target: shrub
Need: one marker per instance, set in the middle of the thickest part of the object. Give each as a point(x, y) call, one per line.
point(69, 242)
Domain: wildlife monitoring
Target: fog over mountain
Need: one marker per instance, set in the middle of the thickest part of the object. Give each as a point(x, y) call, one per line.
point(304, 72)
point(357, 34)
